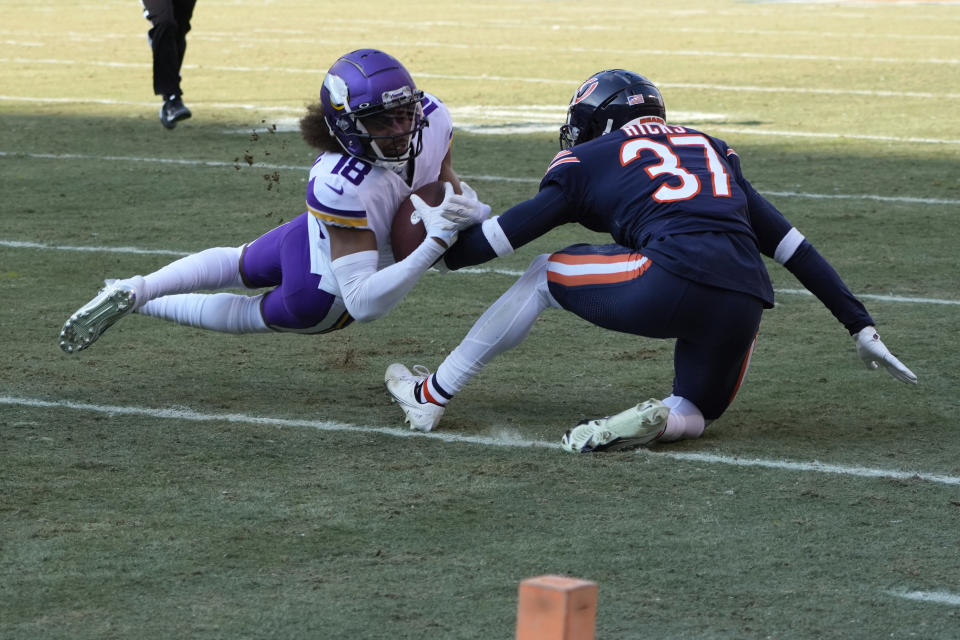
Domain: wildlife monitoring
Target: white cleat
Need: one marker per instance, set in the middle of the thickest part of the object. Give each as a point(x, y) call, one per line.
point(402, 386)
point(628, 429)
point(88, 323)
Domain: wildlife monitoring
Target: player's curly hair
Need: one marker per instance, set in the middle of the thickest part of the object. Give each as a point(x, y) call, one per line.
point(315, 131)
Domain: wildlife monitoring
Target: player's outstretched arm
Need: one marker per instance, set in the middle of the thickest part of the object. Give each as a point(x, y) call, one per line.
point(368, 293)
point(502, 235)
point(779, 240)
point(874, 353)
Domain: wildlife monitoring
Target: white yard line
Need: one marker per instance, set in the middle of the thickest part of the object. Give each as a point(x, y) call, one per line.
point(208, 163)
point(935, 597)
point(20, 244)
point(466, 176)
point(506, 440)
point(829, 135)
point(262, 35)
point(516, 122)
point(17, 244)
point(566, 82)
point(618, 51)
point(142, 103)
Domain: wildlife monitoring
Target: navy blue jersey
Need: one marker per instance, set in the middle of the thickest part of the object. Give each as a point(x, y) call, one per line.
point(670, 193)
point(679, 197)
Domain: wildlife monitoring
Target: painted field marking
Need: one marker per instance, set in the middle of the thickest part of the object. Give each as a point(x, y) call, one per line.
point(504, 440)
point(19, 244)
point(486, 178)
point(288, 117)
point(877, 93)
point(290, 35)
point(697, 53)
point(936, 597)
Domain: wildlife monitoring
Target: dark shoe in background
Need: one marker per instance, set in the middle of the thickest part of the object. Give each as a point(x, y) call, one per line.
point(172, 111)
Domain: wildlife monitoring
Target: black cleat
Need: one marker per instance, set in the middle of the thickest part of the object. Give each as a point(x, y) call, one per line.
point(172, 111)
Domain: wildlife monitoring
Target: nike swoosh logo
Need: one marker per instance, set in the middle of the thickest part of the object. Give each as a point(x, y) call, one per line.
point(339, 191)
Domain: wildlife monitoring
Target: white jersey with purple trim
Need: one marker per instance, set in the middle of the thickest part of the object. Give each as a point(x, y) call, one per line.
point(344, 191)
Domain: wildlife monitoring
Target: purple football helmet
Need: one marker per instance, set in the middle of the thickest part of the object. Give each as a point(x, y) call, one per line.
point(368, 85)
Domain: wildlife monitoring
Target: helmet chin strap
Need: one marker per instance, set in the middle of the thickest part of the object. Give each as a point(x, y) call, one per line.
point(609, 127)
point(397, 166)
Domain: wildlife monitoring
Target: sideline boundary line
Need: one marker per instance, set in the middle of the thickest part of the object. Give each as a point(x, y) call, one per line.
point(504, 441)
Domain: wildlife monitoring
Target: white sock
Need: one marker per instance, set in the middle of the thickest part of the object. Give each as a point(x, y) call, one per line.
point(503, 326)
point(208, 270)
point(685, 421)
point(225, 312)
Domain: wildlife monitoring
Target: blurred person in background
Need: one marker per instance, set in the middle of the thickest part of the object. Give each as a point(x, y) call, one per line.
point(170, 22)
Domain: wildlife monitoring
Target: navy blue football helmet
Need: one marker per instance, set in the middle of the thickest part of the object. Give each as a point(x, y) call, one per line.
point(607, 101)
point(366, 84)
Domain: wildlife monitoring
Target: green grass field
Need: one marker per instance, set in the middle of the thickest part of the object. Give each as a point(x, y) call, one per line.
point(173, 483)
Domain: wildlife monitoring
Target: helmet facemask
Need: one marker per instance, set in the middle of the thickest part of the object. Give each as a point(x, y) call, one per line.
point(403, 112)
point(568, 134)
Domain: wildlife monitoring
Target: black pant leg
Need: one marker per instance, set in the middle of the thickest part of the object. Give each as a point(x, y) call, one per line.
point(170, 22)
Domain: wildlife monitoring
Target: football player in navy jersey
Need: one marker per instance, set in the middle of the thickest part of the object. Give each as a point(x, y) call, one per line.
point(689, 233)
point(332, 264)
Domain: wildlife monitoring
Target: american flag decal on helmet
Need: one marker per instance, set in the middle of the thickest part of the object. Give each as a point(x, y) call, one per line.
point(635, 99)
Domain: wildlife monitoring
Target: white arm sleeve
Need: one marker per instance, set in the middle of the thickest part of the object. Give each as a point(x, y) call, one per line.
point(788, 245)
point(370, 294)
point(496, 237)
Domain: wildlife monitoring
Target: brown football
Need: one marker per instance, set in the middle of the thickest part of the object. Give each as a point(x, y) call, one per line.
point(406, 236)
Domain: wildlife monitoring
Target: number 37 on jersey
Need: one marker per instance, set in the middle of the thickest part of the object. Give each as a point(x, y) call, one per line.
point(670, 163)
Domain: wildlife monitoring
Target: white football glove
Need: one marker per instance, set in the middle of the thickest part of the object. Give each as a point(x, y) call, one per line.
point(470, 204)
point(441, 221)
point(464, 210)
point(872, 351)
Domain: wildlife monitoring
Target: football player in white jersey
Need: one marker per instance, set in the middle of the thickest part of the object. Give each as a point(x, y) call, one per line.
point(332, 264)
